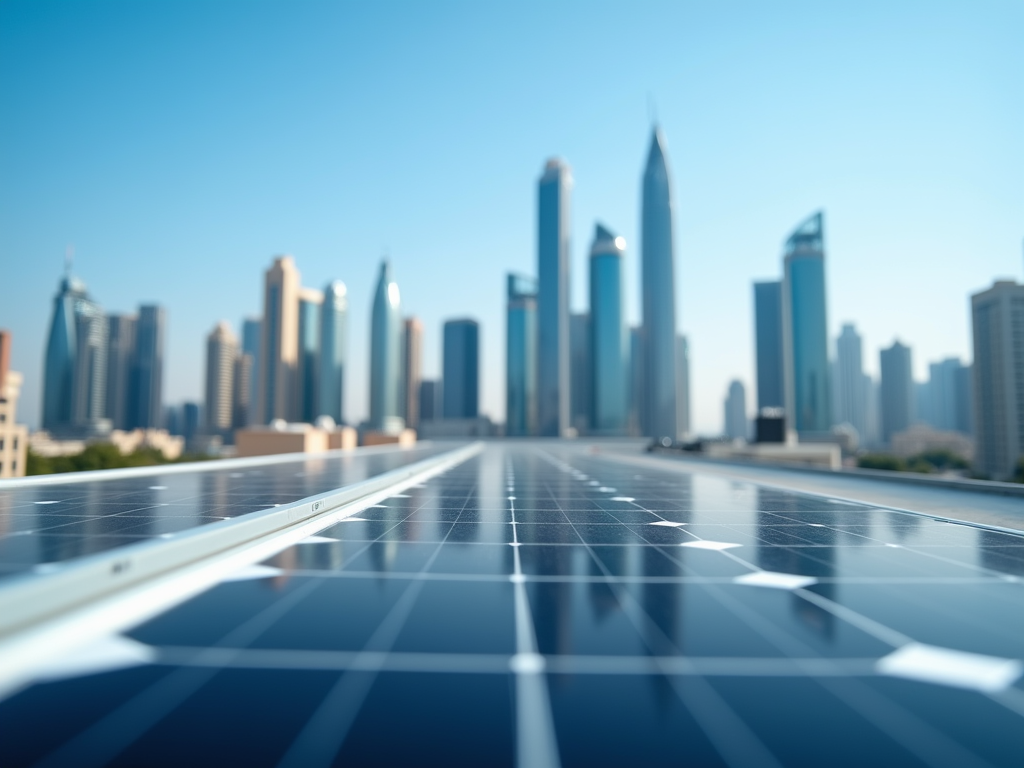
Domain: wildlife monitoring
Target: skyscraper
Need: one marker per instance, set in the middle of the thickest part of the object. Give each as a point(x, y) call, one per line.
point(521, 357)
point(386, 355)
point(636, 380)
point(149, 367)
point(62, 353)
point(896, 398)
point(768, 344)
point(279, 351)
point(429, 397)
point(805, 331)
point(241, 405)
point(683, 384)
point(412, 354)
point(461, 369)
point(252, 330)
point(221, 354)
point(736, 411)
point(120, 370)
point(333, 351)
point(851, 394)
point(553, 398)
point(581, 377)
point(657, 260)
point(609, 343)
point(949, 395)
point(997, 316)
point(90, 384)
point(310, 303)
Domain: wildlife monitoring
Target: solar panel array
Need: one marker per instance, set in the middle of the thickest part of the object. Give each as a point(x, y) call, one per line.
point(57, 522)
point(540, 606)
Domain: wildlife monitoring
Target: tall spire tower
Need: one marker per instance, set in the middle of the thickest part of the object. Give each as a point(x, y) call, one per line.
point(657, 255)
point(386, 356)
point(553, 193)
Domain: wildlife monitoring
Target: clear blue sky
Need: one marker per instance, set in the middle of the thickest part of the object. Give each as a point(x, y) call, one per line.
point(180, 145)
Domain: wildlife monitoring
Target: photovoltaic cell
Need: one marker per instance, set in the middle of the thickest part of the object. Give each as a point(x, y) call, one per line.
point(800, 631)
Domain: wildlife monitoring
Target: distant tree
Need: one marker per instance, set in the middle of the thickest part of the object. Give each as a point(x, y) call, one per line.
point(102, 456)
point(943, 459)
point(882, 461)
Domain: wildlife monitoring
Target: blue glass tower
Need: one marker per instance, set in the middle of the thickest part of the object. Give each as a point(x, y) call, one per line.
point(461, 390)
point(252, 329)
point(768, 344)
point(657, 258)
point(553, 394)
point(386, 355)
point(580, 379)
point(521, 357)
point(805, 331)
point(333, 351)
point(609, 345)
point(310, 302)
point(149, 367)
point(71, 386)
point(897, 390)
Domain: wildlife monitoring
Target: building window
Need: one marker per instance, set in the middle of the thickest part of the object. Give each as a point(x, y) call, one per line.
point(14, 466)
point(15, 443)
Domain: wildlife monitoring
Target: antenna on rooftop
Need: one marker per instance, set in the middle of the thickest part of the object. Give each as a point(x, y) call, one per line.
point(652, 109)
point(69, 257)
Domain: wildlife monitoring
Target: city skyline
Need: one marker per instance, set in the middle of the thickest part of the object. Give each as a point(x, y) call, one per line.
point(909, 194)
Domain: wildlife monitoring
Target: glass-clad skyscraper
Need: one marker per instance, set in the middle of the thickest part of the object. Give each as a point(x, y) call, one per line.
point(851, 405)
point(412, 370)
point(521, 357)
point(768, 344)
point(683, 385)
point(279, 342)
point(657, 259)
point(252, 330)
point(581, 376)
point(149, 366)
point(66, 384)
point(310, 303)
point(120, 370)
point(897, 390)
point(553, 403)
point(997, 321)
point(808, 393)
point(386, 355)
point(90, 371)
point(333, 351)
point(461, 369)
point(609, 343)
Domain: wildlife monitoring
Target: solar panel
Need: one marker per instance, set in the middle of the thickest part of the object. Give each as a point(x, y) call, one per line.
point(539, 606)
point(53, 522)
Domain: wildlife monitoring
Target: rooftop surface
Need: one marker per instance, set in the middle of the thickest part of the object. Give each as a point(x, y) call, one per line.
point(542, 604)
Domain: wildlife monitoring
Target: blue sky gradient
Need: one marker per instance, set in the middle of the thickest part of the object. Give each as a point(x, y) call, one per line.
point(180, 145)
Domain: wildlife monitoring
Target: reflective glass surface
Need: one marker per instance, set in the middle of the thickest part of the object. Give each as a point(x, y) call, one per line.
point(540, 605)
point(54, 522)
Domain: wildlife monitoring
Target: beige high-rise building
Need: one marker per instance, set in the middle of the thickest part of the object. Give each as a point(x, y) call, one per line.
point(221, 354)
point(412, 367)
point(13, 436)
point(279, 353)
point(998, 322)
